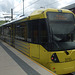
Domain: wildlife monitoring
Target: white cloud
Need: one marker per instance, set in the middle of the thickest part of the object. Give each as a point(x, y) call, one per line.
point(17, 5)
point(6, 5)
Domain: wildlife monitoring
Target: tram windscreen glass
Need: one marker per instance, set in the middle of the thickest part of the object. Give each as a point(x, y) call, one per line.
point(61, 27)
point(61, 23)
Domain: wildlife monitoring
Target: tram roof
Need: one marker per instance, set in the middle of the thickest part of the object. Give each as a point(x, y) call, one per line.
point(13, 21)
point(36, 12)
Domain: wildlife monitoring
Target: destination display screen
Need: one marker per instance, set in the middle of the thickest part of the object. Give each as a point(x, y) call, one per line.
point(60, 16)
point(61, 23)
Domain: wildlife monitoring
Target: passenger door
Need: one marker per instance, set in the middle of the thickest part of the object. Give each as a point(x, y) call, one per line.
point(33, 36)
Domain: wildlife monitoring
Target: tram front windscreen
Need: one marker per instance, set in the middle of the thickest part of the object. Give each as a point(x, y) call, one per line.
point(61, 28)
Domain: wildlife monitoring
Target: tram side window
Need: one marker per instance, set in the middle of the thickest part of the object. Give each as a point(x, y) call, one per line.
point(43, 32)
point(0, 31)
point(33, 31)
point(37, 31)
point(21, 31)
point(7, 31)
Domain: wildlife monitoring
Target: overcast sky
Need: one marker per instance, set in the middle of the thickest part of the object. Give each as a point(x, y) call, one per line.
point(30, 5)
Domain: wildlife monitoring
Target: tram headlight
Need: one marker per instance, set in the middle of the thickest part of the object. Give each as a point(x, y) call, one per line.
point(54, 58)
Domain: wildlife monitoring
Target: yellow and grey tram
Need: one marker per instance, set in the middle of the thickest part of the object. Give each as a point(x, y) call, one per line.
point(45, 36)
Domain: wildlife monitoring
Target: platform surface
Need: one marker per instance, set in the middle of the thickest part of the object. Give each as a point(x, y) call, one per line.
point(12, 62)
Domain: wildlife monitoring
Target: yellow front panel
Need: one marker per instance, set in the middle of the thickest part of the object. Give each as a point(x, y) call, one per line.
point(44, 56)
point(63, 68)
point(63, 57)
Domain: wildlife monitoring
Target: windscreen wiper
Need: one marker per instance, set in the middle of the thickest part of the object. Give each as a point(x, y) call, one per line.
point(66, 52)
